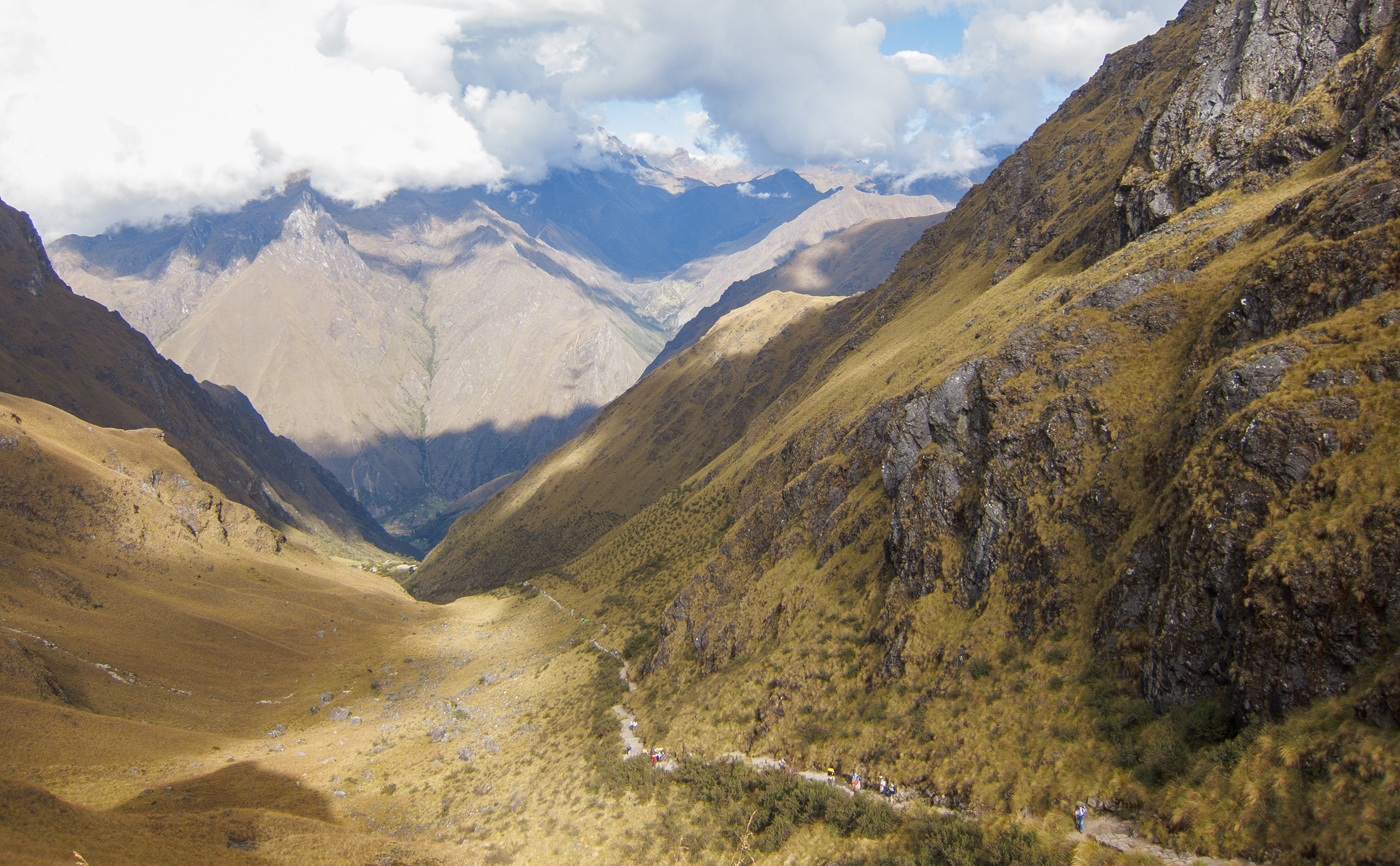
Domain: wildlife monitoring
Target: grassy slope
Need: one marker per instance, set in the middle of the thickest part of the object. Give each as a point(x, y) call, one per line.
point(778, 610)
point(152, 634)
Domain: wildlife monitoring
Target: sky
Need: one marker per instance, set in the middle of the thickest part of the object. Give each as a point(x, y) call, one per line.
point(140, 111)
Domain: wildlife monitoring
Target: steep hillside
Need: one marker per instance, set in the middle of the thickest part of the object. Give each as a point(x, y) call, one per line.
point(70, 352)
point(846, 263)
point(672, 423)
point(1094, 498)
point(380, 340)
point(707, 279)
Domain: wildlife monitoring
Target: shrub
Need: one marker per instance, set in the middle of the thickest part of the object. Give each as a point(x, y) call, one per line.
point(946, 840)
point(638, 644)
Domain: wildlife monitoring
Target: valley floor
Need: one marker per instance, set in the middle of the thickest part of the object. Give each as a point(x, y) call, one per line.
point(461, 737)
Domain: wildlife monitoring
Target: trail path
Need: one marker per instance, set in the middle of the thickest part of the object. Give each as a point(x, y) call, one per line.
point(630, 742)
point(1121, 835)
point(633, 745)
point(1107, 830)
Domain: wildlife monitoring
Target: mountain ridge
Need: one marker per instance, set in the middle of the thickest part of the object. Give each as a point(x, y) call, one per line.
point(110, 374)
point(379, 340)
point(845, 263)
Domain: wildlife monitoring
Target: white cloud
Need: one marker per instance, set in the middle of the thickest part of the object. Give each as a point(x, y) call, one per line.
point(416, 41)
point(920, 63)
point(1013, 55)
point(1060, 41)
point(135, 111)
point(527, 133)
point(138, 110)
point(699, 123)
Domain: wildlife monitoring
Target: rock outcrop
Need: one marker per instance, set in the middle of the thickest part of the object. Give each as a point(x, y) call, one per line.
point(1272, 84)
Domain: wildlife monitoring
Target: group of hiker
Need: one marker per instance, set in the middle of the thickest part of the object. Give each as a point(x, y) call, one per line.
point(884, 786)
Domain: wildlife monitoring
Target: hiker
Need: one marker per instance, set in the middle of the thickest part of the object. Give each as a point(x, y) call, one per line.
point(1079, 813)
point(831, 775)
point(855, 781)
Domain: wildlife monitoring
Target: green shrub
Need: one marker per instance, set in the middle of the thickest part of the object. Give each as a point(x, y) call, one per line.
point(947, 840)
point(638, 644)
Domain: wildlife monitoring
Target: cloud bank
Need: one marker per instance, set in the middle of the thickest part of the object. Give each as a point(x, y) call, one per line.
point(138, 111)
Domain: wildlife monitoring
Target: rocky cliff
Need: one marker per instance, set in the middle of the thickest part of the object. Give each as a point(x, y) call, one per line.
point(71, 353)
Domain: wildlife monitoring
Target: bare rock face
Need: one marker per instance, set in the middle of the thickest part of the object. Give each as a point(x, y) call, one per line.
point(1119, 293)
point(1239, 109)
point(1380, 705)
point(966, 460)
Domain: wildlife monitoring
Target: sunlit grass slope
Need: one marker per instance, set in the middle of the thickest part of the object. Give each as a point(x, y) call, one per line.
point(789, 595)
point(180, 683)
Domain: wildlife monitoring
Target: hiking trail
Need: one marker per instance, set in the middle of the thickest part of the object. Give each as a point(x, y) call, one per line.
point(1120, 835)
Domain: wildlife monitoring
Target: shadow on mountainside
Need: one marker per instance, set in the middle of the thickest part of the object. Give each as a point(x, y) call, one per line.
point(452, 467)
point(643, 444)
point(75, 355)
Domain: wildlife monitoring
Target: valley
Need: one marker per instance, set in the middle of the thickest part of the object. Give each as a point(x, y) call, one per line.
point(1081, 496)
point(426, 349)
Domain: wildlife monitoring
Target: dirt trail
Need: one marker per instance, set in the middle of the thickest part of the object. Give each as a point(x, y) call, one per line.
point(1121, 835)
point(631, 744)
point(1106, 830)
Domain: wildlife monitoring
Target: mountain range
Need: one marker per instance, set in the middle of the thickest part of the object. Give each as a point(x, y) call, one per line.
point(75, 355)
point(429, 345)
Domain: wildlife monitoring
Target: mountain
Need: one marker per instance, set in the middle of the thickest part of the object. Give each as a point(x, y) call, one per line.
point(643, 231)
point(426, 346)
point(709, 277)
point(71, 353)
point(845, 263)
point(1094, 498)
